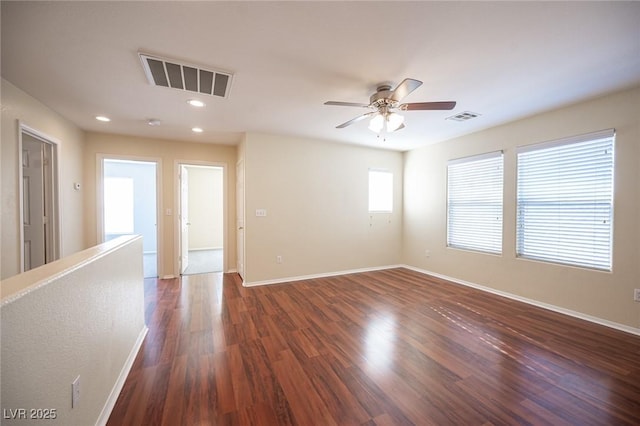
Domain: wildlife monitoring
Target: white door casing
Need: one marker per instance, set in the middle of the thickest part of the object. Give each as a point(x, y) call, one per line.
point(184, 218)
point(240, 217)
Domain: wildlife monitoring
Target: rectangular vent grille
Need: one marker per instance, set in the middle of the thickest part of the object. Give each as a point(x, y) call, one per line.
point(176, 75)
point(463, 116)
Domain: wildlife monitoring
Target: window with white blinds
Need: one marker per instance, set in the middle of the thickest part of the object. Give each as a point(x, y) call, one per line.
point(474, 203)
point(565, 201)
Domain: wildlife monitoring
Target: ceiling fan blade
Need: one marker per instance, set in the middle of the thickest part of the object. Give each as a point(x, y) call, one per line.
point(399, 127)
point(444, 105)
point(355, 120)
point(407, 86)
point(353, 104)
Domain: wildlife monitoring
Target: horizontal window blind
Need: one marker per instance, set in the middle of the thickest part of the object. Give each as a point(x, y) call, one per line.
point(474, 203)
point(565, 201)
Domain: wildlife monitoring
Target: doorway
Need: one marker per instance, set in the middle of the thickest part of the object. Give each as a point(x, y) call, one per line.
point(129, 205)
point(40, 241)
point(201, 219)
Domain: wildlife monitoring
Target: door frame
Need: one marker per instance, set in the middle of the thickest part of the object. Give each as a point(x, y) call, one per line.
point(177, 189)
point(183, 256)
point(100, 157)
point(53, 243)
point(240, 220)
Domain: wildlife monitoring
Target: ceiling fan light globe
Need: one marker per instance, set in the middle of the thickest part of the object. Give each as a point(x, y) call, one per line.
point(394, 121)
point(377, 123)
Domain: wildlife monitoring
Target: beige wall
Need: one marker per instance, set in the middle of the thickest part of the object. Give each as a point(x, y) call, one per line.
point(316, 197)
point(604, 295)
point(169, 152)
point(19, 106)
point(205, 208)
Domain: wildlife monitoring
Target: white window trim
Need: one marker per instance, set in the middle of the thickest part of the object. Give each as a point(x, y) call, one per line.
point(608, 133)
point(594, 136)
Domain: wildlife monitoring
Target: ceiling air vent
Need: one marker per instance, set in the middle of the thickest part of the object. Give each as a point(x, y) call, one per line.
point(176, 75)
point(463, 116)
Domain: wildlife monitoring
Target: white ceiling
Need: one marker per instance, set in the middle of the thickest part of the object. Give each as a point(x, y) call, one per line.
point(504, 60)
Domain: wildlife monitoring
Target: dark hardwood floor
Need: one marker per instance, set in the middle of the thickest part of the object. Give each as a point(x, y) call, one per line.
point(377, 348)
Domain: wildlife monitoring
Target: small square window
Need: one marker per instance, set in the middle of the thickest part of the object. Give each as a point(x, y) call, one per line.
point(380, 191)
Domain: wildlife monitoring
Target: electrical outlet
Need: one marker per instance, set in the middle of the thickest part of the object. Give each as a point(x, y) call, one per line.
point(278, 259)
point(75, 392)
point(636, 294)
point(427, 253)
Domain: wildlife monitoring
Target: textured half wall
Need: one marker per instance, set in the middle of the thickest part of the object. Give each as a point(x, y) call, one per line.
point(80, 316)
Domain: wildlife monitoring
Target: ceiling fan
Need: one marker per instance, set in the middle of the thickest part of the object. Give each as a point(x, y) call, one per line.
point(386, 102)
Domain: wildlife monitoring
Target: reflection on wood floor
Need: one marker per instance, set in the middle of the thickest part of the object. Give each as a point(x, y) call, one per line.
point(376, 348)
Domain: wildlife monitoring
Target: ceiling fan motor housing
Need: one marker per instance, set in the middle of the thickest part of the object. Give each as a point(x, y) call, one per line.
point(382, 98)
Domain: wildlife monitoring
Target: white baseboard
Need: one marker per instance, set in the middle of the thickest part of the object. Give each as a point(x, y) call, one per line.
point(122, 377)
point(314, 276)
point(576, 314)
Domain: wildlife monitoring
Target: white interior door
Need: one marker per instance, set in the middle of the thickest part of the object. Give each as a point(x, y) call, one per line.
point(33, 202)
point(50, 203)
point(184, 219)
point(240, 216)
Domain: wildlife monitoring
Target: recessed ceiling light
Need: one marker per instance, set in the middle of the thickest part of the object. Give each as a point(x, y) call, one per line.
point(196, 129)
point(153, 122)
point(196, 103)
point(102, 118)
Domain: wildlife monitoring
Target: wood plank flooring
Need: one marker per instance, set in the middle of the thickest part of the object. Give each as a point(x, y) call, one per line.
point(392, 347)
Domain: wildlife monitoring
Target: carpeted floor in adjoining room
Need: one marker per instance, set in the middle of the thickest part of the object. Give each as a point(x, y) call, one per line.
point(204, 261)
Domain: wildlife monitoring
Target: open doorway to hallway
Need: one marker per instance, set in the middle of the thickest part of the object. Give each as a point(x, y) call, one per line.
point(201, 219)
point(129, 205)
